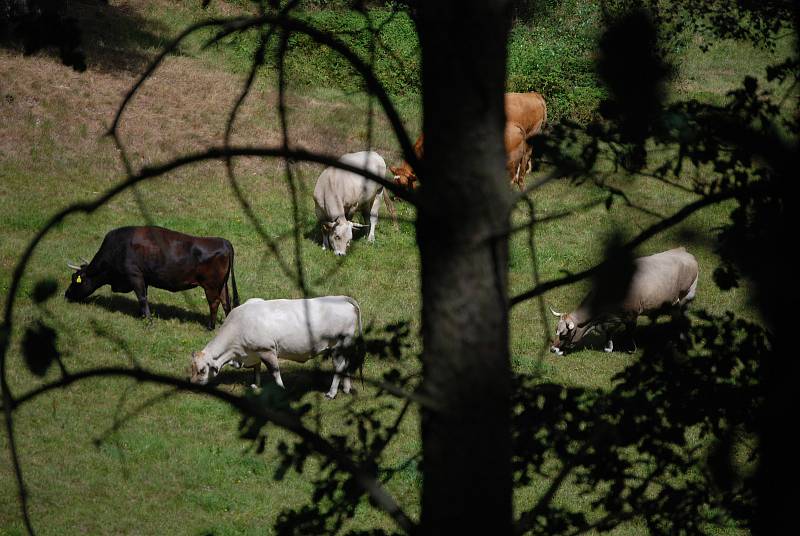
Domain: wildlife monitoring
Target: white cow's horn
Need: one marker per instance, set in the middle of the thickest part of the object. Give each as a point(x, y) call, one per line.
point(73, 266)
point(84, 260)
point(556, 313)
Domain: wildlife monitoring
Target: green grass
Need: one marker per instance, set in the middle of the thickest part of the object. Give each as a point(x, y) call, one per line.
point(179, 467)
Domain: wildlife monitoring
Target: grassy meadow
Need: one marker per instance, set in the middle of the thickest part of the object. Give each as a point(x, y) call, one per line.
point(179, 466)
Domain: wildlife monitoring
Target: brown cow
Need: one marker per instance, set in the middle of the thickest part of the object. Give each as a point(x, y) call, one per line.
point(404, 176)
point(526, 114)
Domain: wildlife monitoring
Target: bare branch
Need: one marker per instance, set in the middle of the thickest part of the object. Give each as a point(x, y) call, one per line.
point(642, 237)
point(245, 406)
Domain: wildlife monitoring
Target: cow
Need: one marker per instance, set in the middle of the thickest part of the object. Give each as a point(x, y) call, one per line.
point(404, 176)
point(264, 331)
point(133, 258)
point(526, 114)
point(339, 194)
point(663, 281)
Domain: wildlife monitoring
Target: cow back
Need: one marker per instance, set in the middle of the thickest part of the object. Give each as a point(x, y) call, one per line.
point(526, 110)
point(175, 261)
point(660, 280)
point(340, 193)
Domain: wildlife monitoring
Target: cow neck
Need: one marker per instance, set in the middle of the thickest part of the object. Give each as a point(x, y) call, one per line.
point(582, 314)
point(222, 348)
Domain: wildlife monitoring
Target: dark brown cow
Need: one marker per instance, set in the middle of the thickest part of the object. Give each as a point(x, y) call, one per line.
point(133, 258)
point(526, 114)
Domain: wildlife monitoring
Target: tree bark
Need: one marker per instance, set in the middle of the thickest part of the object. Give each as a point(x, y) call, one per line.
point(461, 232)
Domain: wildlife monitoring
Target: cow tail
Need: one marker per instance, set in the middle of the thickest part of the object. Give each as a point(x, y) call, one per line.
point(360, 347)
point(390, 205)
point(233, 281)
point(545, 127)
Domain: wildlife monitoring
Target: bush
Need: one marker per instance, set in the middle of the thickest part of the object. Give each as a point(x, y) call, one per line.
point(550, 51)
point(554, 55)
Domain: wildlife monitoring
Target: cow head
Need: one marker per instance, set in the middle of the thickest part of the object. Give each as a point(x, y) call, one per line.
point(404, 177)
point(339, 234)
point(203, 369)
point(568, 332)
point(82, 284)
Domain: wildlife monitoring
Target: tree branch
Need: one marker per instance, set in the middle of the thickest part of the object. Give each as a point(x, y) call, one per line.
point(368, 482)
point(645, 235)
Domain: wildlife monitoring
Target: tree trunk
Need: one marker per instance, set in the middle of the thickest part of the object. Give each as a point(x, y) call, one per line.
point(461, 232)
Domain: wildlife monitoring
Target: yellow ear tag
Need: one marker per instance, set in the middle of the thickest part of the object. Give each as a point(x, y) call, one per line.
point(78, 279)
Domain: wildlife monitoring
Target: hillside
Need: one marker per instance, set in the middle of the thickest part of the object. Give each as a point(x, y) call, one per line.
point(116, 456)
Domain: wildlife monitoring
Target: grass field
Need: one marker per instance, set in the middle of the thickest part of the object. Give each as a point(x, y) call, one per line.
point(179, 466)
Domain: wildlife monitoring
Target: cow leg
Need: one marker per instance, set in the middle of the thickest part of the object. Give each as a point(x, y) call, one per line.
point(680, 322)
point(256, 375)
point(630, 328)
point(529, 157)
point(525, 164)
point(212, 296)
point(373, 217)
point(514, 140)
point(270, 359)
point(226, 299)
point(140, 289)
point(339, 364)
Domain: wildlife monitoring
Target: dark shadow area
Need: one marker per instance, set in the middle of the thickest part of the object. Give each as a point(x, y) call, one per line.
point(316, 378)
point(687, 408)
point(648, 333)
point(122, 304)
point(85, 34)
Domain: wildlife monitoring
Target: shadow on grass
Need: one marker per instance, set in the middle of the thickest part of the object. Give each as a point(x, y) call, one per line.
point(113, 38)
point(298, 382)
point(122, 304)
point(648, 334)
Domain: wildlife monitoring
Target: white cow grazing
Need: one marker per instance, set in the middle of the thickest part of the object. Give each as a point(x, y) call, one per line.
point(267, 330)
point(666, 280)
point(339, 194)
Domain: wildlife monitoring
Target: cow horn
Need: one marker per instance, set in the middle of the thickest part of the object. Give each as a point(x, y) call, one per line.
point(359, 225)
point(556, 313)
point(73, 266)
point(84, 260)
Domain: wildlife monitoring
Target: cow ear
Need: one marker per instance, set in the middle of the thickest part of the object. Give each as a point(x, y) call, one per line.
point(328, 225)
point(393, 170)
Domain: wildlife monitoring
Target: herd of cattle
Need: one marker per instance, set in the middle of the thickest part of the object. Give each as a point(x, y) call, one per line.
point(264, 331)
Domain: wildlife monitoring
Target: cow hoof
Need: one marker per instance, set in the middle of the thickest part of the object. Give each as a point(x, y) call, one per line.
point(330, 396)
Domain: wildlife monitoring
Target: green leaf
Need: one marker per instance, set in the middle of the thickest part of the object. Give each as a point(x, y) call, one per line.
point(39, 348)
point(44, 290)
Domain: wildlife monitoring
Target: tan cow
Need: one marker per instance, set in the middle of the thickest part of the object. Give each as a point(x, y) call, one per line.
point(666, 280)
point(526, 114)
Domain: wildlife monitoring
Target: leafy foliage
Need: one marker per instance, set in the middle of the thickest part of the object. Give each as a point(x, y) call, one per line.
point(629, 449)
point(44, 290)
point(39, 348)
point(551, 50)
